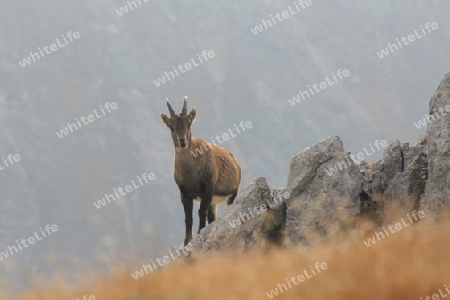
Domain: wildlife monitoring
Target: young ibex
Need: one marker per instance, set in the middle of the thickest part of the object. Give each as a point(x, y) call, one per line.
point(211, 177)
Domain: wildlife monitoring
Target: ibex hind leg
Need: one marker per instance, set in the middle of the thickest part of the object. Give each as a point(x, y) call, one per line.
point(231, 199)
point(211, 213)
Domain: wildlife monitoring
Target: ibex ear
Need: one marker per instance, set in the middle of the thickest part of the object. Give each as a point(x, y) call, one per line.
point(192, 114)
point(165, 119)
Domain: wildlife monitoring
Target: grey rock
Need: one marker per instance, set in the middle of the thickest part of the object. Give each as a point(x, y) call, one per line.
point(322, 205)
point(386, 168)
point(405, 190)
point(275, 218)
point(367, 175)
point(327, 194)
point(396, 182)
point(277, 205)
point(437, 189)
point(241, 228)
point(299, 176)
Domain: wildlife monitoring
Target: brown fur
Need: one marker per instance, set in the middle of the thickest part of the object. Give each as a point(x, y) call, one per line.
point(213, 173)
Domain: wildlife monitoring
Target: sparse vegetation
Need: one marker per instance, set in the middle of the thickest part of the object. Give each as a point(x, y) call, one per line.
point(422, 139)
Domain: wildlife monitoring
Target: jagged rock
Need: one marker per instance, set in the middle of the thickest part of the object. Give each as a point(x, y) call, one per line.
point(437, 189)
point(277, 207)
point(275, 218)
point(411, 153)
point(367, 175)
point(299, 177)
point(396, 182)
point(405, 190)
point(327, 194)
point(242, 226)
point(322, 204)
point(369, 209)
point(385, 169)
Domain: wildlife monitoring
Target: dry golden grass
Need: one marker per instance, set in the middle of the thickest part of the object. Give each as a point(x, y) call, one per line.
point(409, 264)
point(422, 139)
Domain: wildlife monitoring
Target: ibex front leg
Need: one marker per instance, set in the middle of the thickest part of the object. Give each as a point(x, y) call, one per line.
point(187, 205)
point(203, 211)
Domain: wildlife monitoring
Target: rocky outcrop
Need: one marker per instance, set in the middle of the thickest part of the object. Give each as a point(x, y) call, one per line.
point(245, 224)
point(405, 189)
point(325, 187)
point(437, 188)
point(383, 171)
point(327, 194)
point(397, 181)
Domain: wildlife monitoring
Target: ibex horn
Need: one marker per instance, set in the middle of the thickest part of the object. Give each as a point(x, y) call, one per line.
point(184, 110)
point(172, 112)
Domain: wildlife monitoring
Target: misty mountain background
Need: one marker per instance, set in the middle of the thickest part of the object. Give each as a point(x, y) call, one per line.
point(251, 78)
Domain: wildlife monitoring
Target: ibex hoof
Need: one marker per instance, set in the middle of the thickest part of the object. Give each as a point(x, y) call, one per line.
point(187, 240)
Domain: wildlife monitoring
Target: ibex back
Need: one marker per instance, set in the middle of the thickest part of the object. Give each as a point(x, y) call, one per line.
point(210, 177)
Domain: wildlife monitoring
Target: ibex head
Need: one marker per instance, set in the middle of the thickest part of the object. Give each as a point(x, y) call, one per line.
point(179, 125)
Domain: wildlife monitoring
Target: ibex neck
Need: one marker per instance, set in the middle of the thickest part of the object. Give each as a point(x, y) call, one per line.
point(179, 151)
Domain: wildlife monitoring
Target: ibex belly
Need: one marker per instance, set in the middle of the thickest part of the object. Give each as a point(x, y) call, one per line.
point(216, 199)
